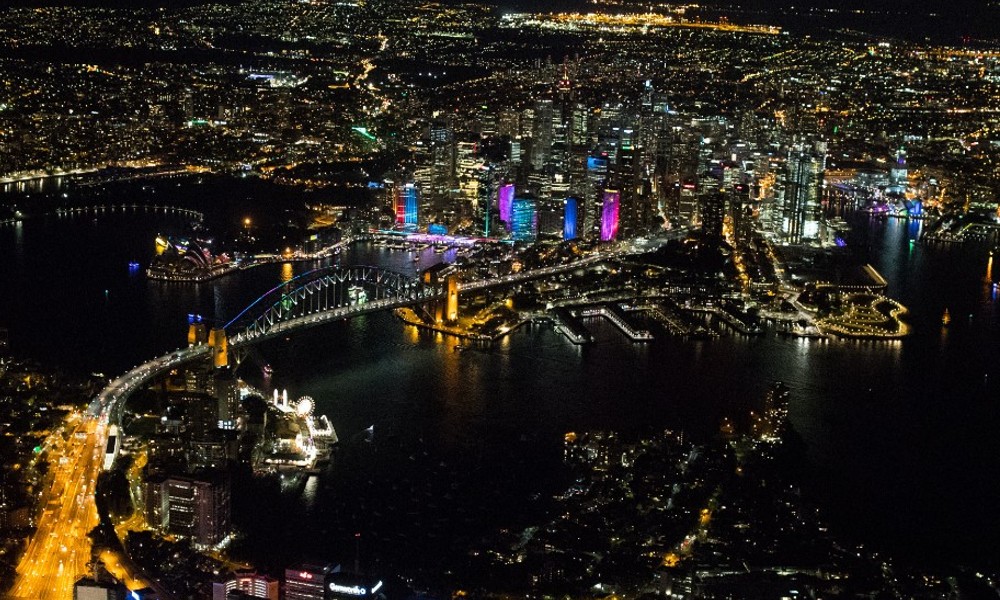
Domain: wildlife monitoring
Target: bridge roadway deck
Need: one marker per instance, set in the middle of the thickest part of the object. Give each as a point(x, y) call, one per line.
point(60, 549)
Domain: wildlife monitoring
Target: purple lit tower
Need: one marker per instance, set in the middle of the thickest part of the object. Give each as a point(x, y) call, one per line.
point(609, 215)
point(506, 200)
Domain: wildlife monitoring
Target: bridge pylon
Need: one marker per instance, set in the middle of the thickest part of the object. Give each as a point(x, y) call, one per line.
point(446, 309)
point(220, 347)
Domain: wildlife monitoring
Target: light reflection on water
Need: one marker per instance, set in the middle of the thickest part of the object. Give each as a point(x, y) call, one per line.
point(910, 415)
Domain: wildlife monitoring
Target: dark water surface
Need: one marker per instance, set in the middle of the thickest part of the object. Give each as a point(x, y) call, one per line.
point(901, 437)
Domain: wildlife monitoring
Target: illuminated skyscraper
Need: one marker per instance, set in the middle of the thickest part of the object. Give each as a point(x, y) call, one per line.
point(597, 173)
point(251, 584)
point(406, 206)
point(524, 219)
point(467, 167)
point(308, 581)
point(687, 205)
point(196, 507)
point(609, 215)
point(505, 202)
point(570, 209)
point(800, 208)
point(484, 203)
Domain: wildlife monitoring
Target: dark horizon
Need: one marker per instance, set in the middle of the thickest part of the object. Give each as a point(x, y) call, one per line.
point(960, 22)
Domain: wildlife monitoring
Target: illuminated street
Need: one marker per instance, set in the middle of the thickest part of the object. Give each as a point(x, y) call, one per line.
point(60, 550)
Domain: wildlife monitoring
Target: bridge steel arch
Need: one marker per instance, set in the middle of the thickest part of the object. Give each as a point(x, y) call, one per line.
point(330, 292)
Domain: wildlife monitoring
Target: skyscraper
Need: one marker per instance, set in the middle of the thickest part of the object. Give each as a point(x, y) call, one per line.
point(196, 507)
point(307, 581)
point(505, 202)
point(609, 215)
point(251, 584)
point(713, 207)
point(570, 209)
point(800, 208)
point(597, 173)
point(484, 202)
point(405, 208)
point(524, 219)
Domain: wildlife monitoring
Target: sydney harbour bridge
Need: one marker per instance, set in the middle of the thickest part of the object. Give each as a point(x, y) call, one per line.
point(61, 549)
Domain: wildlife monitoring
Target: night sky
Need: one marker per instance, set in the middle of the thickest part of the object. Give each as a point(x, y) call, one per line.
point(954, 22)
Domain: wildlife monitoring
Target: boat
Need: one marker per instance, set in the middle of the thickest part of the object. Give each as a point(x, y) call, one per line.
point(946, 317)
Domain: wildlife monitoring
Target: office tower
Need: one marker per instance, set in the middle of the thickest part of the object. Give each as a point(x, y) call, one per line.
point(505, 202)
point(802, 183)
point(570, 210)
point(687, 205)
point(200, 413)
point(713, 212)
point(194, 507)
point(524, 219)
point(252, 585)
point(488, 187)
point(597, 174)
point(467, 167)
point(509, 123)
point(90, 589)
point(307, 581)
point(633, 217)
point(405, 207)
point(741, 208)
point(609, 215)
point(550, 219)
point(898, 173)
point(227, 395)
point(541, 135)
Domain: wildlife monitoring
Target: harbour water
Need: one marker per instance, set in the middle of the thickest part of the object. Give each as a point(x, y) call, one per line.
point(901, 437)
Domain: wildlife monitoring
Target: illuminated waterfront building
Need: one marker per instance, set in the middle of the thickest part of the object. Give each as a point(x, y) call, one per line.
point(609, 215)
point(524, 219)
point(571, 207)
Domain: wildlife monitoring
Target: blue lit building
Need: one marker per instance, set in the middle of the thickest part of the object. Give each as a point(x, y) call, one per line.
point(406, 206)
point(524, 219)
point(571, 207)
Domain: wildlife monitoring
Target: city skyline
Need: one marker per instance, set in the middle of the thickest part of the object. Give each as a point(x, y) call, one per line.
point(396, 300)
